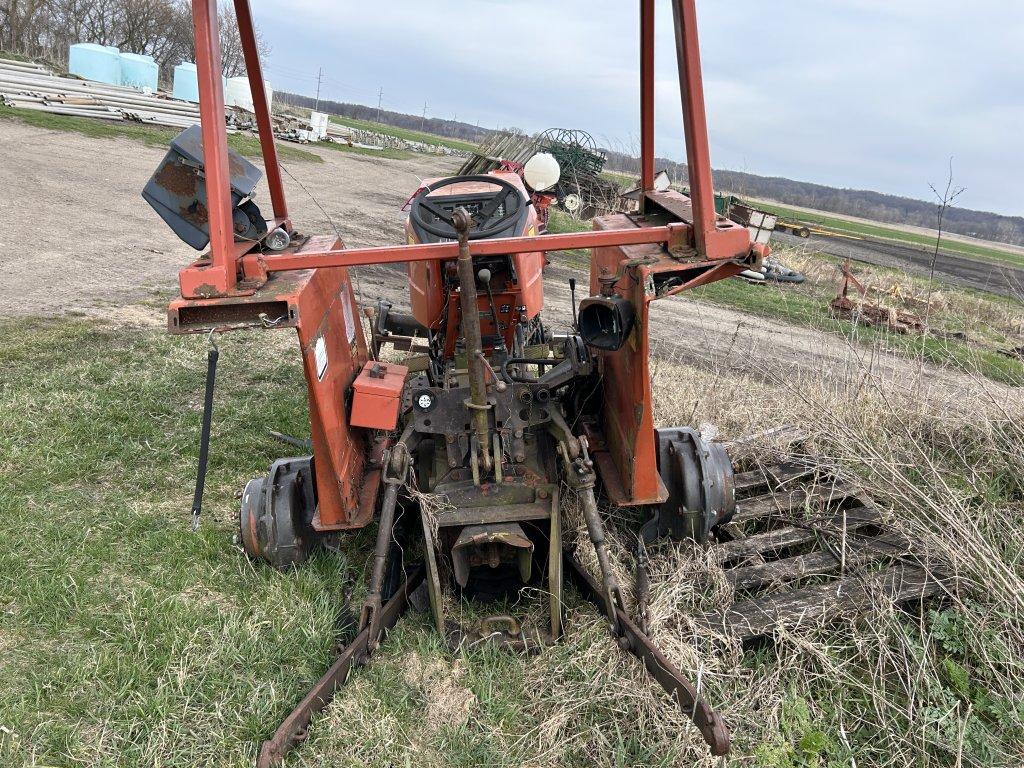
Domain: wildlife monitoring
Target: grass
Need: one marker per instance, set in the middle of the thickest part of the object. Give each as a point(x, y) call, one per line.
point(808, 308)
point(560, 223)
point(12, 56)
point(248, 146)
point(128, 640)
point(388, 153)
point(991, 254)
point(405, 134)
point(624, 180)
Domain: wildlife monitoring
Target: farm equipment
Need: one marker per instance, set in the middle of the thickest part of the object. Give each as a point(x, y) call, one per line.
point(580, 190)
point(869, 312)
point(793, 228)
point(493, 423)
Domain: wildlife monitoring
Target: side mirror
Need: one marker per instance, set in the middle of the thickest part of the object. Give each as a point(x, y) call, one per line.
point(606, 321)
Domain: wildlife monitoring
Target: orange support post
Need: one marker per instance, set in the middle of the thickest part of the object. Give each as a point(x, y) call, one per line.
point(254, 70)
point(646, 96)
point(221, 276)
point(695, 123)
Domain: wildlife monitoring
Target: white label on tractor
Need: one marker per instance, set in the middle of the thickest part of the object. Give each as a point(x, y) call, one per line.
point(350, 319)
point(320, 356)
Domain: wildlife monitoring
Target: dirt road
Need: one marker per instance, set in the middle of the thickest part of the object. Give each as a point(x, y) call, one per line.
point(76, 237)
point(949, 267)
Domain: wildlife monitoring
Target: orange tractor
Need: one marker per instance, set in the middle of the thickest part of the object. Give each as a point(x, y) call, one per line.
point(491, 413)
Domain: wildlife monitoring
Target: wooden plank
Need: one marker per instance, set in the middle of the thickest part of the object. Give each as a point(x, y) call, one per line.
point(819, 563)
point(774, 475)
point(778, 503)
point(842, 598)
point(793, 535)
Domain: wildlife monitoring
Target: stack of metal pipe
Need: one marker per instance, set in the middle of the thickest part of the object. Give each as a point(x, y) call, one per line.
point(27, 85)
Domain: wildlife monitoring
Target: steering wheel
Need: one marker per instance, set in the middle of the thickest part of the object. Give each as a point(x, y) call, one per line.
point(508, 199)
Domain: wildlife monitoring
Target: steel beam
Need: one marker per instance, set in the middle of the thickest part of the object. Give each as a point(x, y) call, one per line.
point(254, 70)
point(221, 275)
point(354, 257)
point(646, 96)
point(695, 123)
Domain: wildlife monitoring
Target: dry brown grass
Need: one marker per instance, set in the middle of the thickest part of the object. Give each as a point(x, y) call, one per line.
point(938, 685)
point(895, 688)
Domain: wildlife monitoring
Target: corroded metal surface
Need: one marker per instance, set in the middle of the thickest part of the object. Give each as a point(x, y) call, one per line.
point(711, 725)
point(356, 653)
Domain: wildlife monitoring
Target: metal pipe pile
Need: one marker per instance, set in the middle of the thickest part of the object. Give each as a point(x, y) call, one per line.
point(514, 147)
point(27, 85)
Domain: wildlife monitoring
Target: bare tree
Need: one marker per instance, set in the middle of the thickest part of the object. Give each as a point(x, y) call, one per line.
point(945, 199)
point(159, 28)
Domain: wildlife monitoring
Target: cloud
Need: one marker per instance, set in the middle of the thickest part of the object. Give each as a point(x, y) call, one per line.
point(851, 93)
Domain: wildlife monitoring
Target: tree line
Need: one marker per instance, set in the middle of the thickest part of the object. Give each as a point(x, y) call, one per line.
point(451, 129)
point(876, 206)
point(45, 29)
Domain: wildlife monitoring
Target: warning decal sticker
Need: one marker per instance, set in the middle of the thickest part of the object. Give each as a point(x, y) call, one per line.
point(320, 357)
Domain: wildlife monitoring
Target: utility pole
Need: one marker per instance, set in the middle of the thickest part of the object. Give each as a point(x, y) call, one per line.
point(423, 120)
point(319, 77)
point(380, 98)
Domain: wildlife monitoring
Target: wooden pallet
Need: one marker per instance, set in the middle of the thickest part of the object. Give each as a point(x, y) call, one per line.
point(804, 548)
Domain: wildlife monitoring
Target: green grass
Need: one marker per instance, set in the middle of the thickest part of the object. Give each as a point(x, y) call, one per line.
point(624, 180)
point(387, 152)
point(404, 133)
point(127, 640)
point(975, 250)
point(248, 146)
point(13, 56)
point(560, 223)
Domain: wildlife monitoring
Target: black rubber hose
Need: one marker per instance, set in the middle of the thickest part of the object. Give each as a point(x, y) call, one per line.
point(204, 437)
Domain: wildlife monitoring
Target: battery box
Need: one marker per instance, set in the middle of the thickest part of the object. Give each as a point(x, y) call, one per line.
point(378, 395)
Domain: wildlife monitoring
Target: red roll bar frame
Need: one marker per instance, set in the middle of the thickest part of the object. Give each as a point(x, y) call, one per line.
point(229, 269)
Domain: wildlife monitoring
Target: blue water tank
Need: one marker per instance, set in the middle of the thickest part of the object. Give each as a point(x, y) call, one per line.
point(139, 71)
point(95, 62)
point(186, 82)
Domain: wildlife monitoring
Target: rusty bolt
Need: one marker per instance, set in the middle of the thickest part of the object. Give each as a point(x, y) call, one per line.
point(542, 493)
point(518, 433)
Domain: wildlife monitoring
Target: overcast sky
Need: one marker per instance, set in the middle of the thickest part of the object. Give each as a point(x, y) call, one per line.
point(868, 94)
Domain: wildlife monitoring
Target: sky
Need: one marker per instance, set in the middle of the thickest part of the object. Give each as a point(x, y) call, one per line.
point(864, 94)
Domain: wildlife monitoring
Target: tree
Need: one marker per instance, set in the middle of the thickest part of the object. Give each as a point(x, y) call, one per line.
point(159, 28)
point(231, 55)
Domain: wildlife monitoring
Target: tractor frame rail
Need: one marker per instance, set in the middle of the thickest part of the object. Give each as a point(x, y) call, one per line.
point(711, 725)
point(294, 727)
